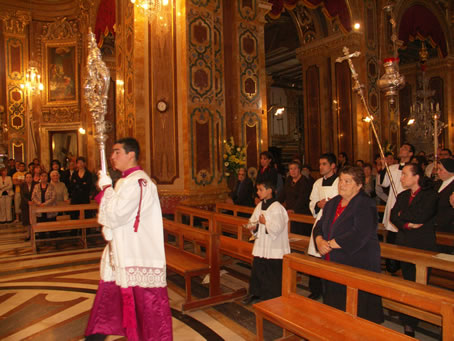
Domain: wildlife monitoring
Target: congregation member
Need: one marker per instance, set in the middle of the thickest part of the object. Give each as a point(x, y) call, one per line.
point(347, 234)
point(44, 195)
point(381, 192)
point(406, 152)
point(266, 170)
point(81, 186)
point(306, 172)
point(26, 192)
point(67, 174)
point(413, 214)
point(269, 225)
point(18, 180)
point(323, 190)
point(343, 160)
point(6, 199)
point(37, 173)
point(61, 191)
point(132, 298)
point(369, 185)
point(443, 153)
point(444, 220)
point(11, 167)
point(243, 192)
point(359, 163)
point(295, 197)
point(55, 165)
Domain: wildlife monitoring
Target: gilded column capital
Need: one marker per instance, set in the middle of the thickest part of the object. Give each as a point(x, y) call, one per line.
point(15, 22)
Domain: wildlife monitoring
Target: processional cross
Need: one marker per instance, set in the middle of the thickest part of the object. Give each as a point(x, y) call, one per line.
point(359, 90)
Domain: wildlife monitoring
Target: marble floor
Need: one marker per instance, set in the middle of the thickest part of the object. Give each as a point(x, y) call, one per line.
point(48, 296)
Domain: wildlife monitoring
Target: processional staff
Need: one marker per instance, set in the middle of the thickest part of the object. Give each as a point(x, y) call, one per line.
point(96, 90)
point(359, 90)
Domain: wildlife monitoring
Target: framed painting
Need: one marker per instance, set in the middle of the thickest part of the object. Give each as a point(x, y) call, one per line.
point(61, 77)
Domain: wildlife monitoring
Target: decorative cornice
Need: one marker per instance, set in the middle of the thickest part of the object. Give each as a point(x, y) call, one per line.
point(15, 22)
point(263, 8)
point(325, 46)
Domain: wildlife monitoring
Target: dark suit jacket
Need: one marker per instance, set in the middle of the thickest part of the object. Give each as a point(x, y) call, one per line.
point(296, 195)
point(243, 193)
point(355, 230)
point(444, 220)
point(422, 210)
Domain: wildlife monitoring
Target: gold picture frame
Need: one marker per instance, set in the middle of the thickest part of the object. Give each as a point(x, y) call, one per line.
point(61, 78)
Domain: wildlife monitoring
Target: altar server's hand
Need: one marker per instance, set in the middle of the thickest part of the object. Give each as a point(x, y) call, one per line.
point(104, 180)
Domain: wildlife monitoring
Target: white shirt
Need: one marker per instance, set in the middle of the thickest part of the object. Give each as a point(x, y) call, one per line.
point(395, 174)
point(320, 192)
point(133, 258)
point(445, 183)
point(272, 238)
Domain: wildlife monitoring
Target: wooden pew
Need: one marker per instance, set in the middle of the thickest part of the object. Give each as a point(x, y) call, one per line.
point(62, 225)
point(189, 264)
point(235, 209)
point(193, 213)
point(315, 321)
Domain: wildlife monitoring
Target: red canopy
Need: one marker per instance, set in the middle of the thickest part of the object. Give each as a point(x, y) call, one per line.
point(105, 20)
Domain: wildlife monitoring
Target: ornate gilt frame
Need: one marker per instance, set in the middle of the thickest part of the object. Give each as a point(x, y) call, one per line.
point(56, 44)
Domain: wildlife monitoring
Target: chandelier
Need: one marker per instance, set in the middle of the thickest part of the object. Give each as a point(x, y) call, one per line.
point(32, 80)
point(150, 7)
point(423, 123)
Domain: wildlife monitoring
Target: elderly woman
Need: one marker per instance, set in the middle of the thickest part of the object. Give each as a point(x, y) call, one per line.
point(26, 191)
point(295, 196)
point(44, 195)
point(347, 234)
point(6, 196)
point(61, 191)
point(413, 214)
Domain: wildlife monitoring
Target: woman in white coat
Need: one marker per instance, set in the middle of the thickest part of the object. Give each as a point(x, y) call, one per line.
point(6, 196)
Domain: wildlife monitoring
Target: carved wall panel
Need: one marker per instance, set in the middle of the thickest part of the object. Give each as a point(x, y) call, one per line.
point(206, 98)
point(251, 134)
point(15, 39)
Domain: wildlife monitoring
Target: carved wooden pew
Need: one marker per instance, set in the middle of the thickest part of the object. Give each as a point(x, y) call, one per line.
point(61, 225)
point(315, 321)
point(189, 264)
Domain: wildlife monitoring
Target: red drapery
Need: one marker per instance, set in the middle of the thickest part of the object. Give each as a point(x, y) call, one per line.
point(420, 23)
point(105, 20)
point(331, 9)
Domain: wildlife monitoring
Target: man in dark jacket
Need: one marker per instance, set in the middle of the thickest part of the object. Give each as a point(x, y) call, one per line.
point(243, 192)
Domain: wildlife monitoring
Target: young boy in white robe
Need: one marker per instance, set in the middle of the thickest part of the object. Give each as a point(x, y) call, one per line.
point(269, 225)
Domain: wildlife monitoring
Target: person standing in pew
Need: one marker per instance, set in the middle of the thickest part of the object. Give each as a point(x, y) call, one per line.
point(269, 225)
point(295, 197)
point(323, 190)
point(413, 214)
point(243, 192)
point(132, 298)
point(347, 234)
point(444, 220)
point(44, 195)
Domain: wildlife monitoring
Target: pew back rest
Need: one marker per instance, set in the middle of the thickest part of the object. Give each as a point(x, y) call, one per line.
point(234, 209)
point(430, 299)
point(193, 213)
point(232, 224)
point(63, 207)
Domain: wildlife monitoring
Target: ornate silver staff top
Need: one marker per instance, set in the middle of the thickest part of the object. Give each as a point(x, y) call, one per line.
point(96, 90)
point(359, 89)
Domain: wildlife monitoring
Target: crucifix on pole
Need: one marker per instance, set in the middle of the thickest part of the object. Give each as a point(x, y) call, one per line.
point(358, 88)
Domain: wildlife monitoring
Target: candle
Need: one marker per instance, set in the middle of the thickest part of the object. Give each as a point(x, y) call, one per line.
point(438, 107)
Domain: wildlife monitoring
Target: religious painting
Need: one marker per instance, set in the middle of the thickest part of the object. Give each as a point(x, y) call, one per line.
point(63, 146)
point(61, 74)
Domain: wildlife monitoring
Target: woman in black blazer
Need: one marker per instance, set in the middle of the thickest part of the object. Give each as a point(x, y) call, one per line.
point(347, 234)
point(413, 214)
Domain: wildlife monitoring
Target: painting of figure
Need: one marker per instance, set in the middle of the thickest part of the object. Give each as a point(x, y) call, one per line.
point(61, 76)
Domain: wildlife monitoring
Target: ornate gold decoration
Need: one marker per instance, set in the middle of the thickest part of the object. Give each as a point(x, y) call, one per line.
point(15, 22)
point(96, 89)
point(61, 115)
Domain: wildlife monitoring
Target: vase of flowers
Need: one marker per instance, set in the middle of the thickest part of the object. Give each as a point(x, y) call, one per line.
point(234, 159)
